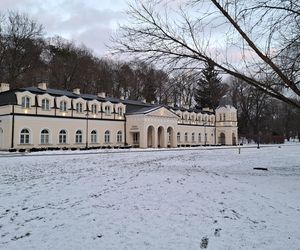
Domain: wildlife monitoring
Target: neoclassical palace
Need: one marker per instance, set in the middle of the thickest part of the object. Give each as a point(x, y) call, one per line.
point(42, 117)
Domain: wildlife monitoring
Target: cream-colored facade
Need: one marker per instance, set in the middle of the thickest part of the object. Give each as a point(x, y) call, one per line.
point(47, 118)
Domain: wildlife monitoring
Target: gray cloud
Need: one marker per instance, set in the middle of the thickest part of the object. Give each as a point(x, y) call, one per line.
point(89, 22)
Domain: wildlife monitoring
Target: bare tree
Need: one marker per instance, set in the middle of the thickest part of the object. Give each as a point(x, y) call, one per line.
point(255, 34)
point(21, 45)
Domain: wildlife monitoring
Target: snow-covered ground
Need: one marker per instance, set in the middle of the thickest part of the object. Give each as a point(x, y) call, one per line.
point(178, 199)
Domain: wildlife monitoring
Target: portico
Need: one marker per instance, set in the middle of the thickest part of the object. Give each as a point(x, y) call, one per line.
point(155, 127)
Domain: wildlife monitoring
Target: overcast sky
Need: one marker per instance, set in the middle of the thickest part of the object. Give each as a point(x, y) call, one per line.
point(85, 21)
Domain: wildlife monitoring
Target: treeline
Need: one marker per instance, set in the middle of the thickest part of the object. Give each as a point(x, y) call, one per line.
point(261, 117)
point(28, 58)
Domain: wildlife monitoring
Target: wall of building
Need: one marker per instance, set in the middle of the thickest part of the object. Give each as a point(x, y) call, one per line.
point(226, 125)
point(5, 131)
point(196, 130)
point(35, 124)
point(158, 128)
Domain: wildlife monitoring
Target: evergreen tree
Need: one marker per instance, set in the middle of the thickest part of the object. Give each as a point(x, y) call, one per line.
point(209, 88)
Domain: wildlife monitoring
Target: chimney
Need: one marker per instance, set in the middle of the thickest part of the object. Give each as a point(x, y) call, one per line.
point(4, 87)
point(152, 102)
point(42, 86)
point(122, 97)
point(144, 100)
point(76, 91)
point(205, 109)
point(102, 94)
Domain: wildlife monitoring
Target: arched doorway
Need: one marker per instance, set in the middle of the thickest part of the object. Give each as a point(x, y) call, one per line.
point(161, 137)
point(151, 137)
point(1, 138)
point(233, 139)
point(222, 139)
point(170, 137)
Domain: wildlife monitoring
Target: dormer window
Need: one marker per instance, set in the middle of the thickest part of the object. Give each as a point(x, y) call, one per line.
point(45, 104)
point(94, 109)
point(107, 110)
point(120, 111)
point(63, 106)
point(79, 107)
point(25, 102)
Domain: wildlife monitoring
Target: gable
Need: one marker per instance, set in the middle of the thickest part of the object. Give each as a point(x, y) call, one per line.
point(163, 112)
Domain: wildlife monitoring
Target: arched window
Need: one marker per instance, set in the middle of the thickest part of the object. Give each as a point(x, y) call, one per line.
point(120, 111)
point(193, 137)
point(79, 107)
point(24, 136)
point(186, 137)
point(25, 102)
point(78, 136)
point(62, 138)
point(45, 136)
point(45, 104)
point(119, 136)
point(107, 110)
point(199, 137)
point(94, 136)
point(178, 137)
point(107, 136)
point(94, 109)
point(63, 106)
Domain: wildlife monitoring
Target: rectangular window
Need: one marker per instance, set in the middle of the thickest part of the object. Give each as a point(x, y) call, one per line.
point(24, 139)
point(44, 139)
point(94, 109)
point(62, 138)
point(45, 104)
point(135, 138)
point(63, 106)
point(78, 138)
point(79, 107)
point(25, 102)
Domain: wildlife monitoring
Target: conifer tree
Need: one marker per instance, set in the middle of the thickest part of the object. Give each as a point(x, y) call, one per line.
point(209, 88)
